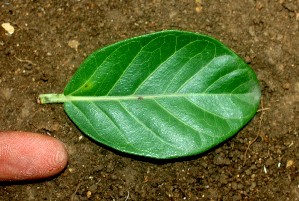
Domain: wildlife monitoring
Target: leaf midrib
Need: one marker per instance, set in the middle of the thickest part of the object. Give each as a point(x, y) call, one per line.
point(141, 97)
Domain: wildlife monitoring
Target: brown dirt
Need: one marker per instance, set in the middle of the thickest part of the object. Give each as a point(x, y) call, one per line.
point(259, 163)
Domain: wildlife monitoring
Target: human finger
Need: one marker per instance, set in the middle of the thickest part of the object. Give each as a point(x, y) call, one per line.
point(28, 156)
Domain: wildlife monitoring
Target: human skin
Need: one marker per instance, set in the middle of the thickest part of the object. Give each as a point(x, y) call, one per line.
point(30, 156)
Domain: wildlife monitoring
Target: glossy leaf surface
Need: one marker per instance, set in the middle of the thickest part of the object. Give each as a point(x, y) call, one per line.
point(164, 95)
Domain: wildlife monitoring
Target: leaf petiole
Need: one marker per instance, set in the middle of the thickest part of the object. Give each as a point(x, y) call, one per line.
point(51, 98)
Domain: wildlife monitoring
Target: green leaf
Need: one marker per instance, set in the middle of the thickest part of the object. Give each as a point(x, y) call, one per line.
point(163, 95)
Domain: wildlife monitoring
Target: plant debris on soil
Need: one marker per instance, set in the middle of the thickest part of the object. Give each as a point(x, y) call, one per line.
point(42, 43)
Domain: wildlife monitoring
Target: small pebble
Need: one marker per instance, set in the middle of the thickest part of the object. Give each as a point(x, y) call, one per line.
point(286, 86)
point(290, 163)
point(74, 44)
point(8, 28)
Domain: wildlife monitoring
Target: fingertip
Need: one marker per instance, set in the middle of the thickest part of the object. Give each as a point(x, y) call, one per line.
point(29, 156)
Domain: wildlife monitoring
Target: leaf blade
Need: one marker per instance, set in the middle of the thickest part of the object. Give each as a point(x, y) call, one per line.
point(163, 95)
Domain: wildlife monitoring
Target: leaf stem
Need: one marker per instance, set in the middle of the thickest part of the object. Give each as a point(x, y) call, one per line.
point(52, 98)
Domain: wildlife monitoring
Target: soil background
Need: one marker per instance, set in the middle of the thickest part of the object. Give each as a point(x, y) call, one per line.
point(52, 38)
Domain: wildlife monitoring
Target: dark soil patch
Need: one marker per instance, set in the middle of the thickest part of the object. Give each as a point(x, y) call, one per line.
point(259, 163)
